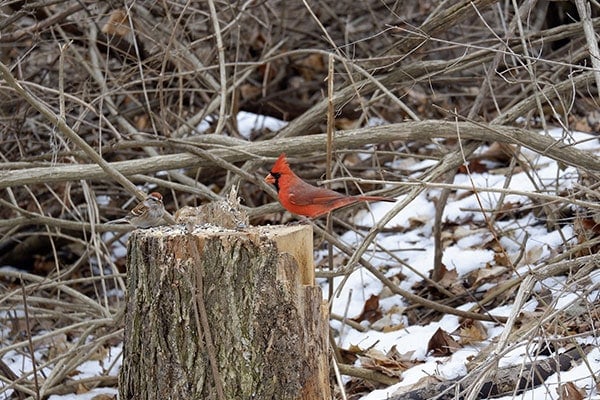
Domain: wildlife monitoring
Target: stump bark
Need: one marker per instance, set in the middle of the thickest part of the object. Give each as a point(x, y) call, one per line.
point(224, 314)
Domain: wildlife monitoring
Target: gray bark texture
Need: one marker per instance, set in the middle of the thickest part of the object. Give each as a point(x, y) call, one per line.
point(222, 314)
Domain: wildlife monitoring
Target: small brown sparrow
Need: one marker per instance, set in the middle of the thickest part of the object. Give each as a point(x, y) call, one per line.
point(146, 214)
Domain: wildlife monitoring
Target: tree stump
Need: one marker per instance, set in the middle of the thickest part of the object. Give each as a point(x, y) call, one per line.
point(217, 313)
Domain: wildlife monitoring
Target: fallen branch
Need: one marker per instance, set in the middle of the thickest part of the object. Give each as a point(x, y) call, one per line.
point(302, 146)
point(367, 374)
point(506, 381)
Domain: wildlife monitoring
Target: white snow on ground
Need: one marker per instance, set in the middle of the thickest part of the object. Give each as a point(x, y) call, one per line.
point(465, 255)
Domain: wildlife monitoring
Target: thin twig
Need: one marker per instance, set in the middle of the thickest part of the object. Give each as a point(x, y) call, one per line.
point(68, 132)
point(30, 342)
point(222, 72)
point(585, 12)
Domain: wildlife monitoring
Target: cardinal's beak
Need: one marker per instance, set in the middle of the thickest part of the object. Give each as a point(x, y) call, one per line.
point(270, 179)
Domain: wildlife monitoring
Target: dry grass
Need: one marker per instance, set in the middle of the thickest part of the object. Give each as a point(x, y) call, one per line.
point(105, 97)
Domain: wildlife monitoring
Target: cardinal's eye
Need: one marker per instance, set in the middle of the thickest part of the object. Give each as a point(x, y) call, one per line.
point(275, 175)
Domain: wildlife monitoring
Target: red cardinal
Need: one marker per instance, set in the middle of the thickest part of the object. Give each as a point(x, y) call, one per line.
point(302, 198)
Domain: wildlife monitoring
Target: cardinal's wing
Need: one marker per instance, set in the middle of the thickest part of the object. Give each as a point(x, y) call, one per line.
point(303, 195)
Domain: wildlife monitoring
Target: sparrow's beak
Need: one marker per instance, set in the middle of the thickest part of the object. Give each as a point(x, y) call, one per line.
point(270, 179)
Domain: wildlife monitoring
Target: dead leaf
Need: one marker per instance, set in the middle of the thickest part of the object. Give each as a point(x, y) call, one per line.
point(117, 24)
point(405, 357)
point(508, 210)
point(442, 344)
point(350, 355)
point(480, 276)
point(100, 354)
point(391, 364)
point(43, 265)
point(447, 238)
point(345, 124)
point(418, 221)
point(474, 166)
point(570, 391)
point(73, 372)
point(582, 125)
point(449, 279)
point(357, 386)
point(141, 122)
point(249, 92)
point(370, 310)
point(387, 324)
point(462, 231)
point(544, 298)
point(532, 255)
point(268, 72)
point(58, 346)
point(393, 328)
point(311, 66)
point(528, 318)
point(471, 331)
point(444, 276)
point(502, 259)
point(257, 42)
point(493, 244)
point(421, 383)
point(500, 152)
point(81, 389)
